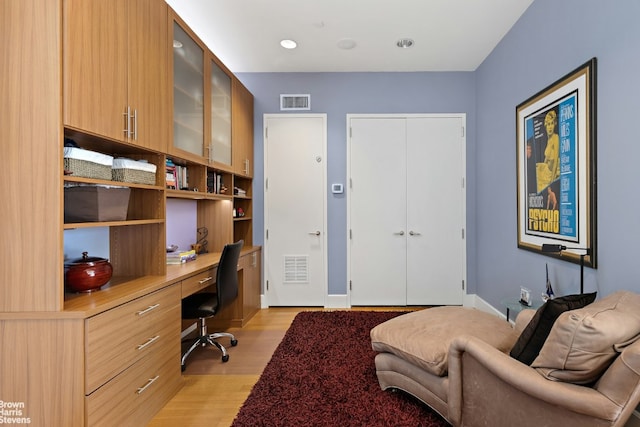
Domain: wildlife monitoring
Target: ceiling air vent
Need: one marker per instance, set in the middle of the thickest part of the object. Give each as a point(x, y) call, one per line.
point(295, 102)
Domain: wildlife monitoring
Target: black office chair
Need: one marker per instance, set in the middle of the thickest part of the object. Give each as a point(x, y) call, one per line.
point(204, 305)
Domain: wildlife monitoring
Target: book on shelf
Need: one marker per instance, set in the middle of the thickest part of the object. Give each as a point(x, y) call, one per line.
point(215, 183)
point(181, 257)
point(170, 174)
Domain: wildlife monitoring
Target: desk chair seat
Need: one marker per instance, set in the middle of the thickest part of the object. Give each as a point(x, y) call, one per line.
point(204, 305)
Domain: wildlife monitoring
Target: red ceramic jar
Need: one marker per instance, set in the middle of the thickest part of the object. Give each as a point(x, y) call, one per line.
point(87, 274)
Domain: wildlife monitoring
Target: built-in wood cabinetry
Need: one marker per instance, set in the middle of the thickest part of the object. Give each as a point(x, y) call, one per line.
point(242, 123)
point(187, 71)
point(99, 72)
point(116, 83)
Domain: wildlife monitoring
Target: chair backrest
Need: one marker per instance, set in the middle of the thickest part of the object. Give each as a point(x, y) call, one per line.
point(227, 275)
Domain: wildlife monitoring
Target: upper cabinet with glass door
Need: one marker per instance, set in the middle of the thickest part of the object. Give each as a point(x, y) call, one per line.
point(188, 94)
point(220, 114)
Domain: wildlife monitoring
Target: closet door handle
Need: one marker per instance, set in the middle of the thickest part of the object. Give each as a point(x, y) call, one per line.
point(400, 233)
point(315, 233)
point(414, 233)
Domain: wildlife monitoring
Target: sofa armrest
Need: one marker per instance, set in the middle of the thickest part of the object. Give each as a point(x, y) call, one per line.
point(523, 319)
point(526, 393)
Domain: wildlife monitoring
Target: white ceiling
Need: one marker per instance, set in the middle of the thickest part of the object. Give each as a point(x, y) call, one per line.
point(449, 35)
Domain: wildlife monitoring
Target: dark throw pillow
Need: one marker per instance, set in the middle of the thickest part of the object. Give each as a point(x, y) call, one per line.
point(533, 336)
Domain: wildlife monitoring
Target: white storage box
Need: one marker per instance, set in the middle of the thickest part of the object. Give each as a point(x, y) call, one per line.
point(87, 163)
point(135, 171)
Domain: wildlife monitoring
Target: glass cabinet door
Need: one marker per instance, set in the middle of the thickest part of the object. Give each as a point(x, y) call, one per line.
point(220, 115)
point(188, 93)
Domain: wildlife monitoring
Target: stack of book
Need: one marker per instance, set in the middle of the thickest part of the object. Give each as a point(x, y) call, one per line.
point(215, 184)
point(181, 257)
point(239, 192)
point(170, 174)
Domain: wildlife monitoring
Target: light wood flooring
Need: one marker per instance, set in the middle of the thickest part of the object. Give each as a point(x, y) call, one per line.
point(213, 391)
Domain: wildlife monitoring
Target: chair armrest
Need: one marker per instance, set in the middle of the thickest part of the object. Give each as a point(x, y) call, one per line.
point(571, 397)
point(523, 319)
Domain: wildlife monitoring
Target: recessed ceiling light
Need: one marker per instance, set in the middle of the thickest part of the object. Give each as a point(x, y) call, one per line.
point(404, 43)
point(177, 44)
point(346, 44)
point(288, 44)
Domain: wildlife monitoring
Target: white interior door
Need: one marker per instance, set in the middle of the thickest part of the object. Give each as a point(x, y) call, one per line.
point(377, 211)
point(406, 210)
point(435, 211)
point(295, 210)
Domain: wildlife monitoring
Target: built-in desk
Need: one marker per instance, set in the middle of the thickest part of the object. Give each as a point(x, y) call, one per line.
point(200, 274)
point(116, 350)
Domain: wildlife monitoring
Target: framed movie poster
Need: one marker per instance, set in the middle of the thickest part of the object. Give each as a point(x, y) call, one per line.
point(556, 166)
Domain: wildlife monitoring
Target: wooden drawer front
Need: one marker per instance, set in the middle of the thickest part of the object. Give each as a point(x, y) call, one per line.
point(198, 282)
point(117, 338)
point(137, 394)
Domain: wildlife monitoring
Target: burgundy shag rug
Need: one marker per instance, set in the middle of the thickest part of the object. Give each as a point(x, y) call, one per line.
point(323, 374)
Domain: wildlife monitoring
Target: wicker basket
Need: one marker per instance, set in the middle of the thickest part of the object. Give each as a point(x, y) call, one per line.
point(87, 163)
point(134, 176)
point(87, 169)
point(127, 170)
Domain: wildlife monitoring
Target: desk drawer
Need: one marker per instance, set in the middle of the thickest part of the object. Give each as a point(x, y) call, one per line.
point(137, 394)
point(117, 338)
point(193, 284)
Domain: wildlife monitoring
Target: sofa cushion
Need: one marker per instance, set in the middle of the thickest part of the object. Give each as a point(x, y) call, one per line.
point(533, 336)
point(582, 343)
point(423, 337)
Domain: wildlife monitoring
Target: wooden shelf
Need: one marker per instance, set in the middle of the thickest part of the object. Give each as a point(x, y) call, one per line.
point(74, 225)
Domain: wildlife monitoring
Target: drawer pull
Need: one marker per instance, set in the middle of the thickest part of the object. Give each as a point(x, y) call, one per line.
point(206, 279)
point(144, 387)
point(148, 309)
point(150, 341)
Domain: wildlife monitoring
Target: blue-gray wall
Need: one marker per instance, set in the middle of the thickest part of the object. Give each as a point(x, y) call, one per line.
point(552, 38)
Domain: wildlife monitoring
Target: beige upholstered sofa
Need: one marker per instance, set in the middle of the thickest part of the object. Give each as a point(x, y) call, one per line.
point(457, 361)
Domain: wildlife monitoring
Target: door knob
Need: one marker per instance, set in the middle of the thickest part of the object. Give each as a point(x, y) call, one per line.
point(401, 233)
point(414, 233)
point(315, 233)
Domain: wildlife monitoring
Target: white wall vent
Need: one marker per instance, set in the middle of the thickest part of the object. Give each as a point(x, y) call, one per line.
point(296, 269)
point(295, 102)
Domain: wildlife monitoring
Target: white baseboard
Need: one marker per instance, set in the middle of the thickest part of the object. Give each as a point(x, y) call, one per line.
point(475, 301)
point(337, 301)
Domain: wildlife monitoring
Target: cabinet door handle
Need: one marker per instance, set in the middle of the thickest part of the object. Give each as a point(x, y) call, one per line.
point(414, 233)
point(151, 381)
point(399, 233)
point(127, 121)
point(206, 279)
point(135, 125)
point(149, 342)
point(315, 233)
point(148, 309)
point(246, 166)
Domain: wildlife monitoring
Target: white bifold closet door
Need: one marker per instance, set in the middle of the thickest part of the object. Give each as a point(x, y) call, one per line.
point(406, 210)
